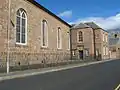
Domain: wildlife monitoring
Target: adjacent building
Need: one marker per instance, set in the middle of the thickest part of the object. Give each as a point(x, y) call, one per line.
point(89, 41)
point(114, 45)
point(82, 41)
point(101, 42)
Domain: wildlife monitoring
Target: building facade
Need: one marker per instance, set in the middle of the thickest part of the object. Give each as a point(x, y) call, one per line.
point(114, 45)
point(100, 41)
point(82, 42)
point(89, 41)
point(35, 36)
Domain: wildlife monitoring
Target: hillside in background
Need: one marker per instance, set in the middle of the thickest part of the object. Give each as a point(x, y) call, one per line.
point(112, 32)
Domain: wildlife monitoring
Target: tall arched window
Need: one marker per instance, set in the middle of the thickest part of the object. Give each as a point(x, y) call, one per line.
point(68, 41)
point(80, 36)
point(44, 33)
point(59, 39)
point(21, 27)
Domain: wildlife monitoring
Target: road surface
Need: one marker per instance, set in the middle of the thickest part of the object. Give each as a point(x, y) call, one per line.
point(104, 76)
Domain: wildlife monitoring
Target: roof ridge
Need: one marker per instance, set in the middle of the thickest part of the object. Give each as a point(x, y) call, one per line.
point(48, 11)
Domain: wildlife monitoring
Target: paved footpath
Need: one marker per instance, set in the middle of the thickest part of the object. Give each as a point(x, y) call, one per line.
point(90, 76)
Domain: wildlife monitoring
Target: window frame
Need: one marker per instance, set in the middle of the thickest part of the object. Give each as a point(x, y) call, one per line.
point(46, 33)
point(103, 37)
point(80, 36)
point(60, 34)
point(104, 50)
point(106, 38)
point(69, 41)
point(87, 53)
point(21, 11)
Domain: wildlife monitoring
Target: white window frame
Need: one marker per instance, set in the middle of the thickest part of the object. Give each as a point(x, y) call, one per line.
point(106, 38)
point(68, 41)
point(104, 50)
point(97, 52)
point(87, 52)
point(46, 33)
point(78, 37)
point(20, 43)
point(74, 53)
point(103, 36)
point(107, 50)
point(60, 36)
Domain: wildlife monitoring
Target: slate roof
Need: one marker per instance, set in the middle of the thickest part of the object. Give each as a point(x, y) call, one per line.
point(93, 25)
point(114, 41)
point(48, 11)
point(80, 26)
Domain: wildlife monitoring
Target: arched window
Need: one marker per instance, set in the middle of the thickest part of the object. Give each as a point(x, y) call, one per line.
point(80, 36)
point(21, 27)
point(59, 39)
point(68, 41)
point(44, 33)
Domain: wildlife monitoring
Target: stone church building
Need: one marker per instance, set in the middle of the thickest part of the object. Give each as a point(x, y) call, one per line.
point(30, 35)
point(35, 36)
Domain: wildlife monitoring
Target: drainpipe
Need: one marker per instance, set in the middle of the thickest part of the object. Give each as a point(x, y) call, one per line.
point(8, 34)
point(71, 44)
point(94, 43)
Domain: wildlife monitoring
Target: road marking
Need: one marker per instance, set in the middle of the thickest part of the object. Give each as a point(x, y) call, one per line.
point(118, 87)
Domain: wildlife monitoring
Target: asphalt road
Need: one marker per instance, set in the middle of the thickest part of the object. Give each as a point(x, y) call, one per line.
point(105, 76)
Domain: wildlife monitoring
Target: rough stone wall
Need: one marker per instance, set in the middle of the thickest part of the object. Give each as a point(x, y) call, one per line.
point(106, 44)
point(3, 24)
point(114, 51)
point(87, 40)
point(33, 53)
point(118, 51)
point(100, 43)
point(89, 43)
point(29, 58)
point(74, 38)
point(3, 30)
point(113, 55)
